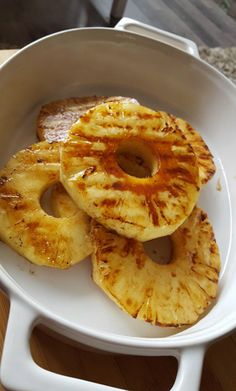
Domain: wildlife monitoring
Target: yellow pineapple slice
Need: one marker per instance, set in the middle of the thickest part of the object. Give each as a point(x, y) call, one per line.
point(56, 118)
point(203, 154)
point(172, 294)
point(143, 206)
point(41, 238)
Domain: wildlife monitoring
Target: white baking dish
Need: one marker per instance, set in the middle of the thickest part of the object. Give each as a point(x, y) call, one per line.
point(111, 61)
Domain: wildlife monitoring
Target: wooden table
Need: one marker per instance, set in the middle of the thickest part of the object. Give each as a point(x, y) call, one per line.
point(129, 372)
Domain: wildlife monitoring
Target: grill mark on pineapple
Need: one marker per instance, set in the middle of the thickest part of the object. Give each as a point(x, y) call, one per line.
point(11, 200)
point(112, 276)
point(197, 262)
point(122, 220)
point(161, 205)
point(215, 280)
point(145, 187)
point(152, 211)
point(109, 202)
point(81, 186)
point(185, 158)
point(213, 248)
point(108, 249)
point(32, 225)
point(9, 195)
point(175, 190)
point(205, 274)
point(128, 248)
point(190, 128)
point(88, 171)
point(21, 221)
point(85, 118)
point(182, 173)
point(178, 189)
point(136, 313)
point(21, 206)
point(148, 116)
point(149, 316)
point(189, 293)
point(207, 296)
point(117, 126)
point(78, 134)
point(140, 261)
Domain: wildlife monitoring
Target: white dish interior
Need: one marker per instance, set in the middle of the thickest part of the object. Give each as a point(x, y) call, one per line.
point(105, 62)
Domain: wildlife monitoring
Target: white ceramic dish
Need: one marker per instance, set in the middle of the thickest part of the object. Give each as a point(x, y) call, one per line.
point(108, 61)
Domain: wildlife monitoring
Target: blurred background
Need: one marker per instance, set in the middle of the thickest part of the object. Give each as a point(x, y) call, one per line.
point(210, 23)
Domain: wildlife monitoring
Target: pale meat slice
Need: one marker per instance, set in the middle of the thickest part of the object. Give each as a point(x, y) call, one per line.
point(56, 118)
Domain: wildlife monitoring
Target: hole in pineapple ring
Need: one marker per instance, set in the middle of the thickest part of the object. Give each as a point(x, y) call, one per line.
point(56, 202)
point(45, 201)
point(159, 250)
point(136, 159)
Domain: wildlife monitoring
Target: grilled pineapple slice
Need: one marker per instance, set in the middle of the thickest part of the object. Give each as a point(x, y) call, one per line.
point(56, 118)
point(173, 294)
point(203, 154)
point(42, 239)
point(138, 207)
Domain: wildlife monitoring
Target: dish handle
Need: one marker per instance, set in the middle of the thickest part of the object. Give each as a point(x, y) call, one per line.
point(177, 41)
point(190, 361)
point(20, 372)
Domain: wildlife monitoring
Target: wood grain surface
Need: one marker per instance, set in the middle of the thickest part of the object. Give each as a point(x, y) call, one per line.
point(129, 372)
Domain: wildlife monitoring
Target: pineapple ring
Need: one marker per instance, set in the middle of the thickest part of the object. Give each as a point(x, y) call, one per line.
point(42, 239)
point(139, 207)
point(174, 294)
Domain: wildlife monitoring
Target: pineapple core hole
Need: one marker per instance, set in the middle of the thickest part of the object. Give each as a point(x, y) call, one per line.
point(159, 250)
point(45, 201)
point(136, 159)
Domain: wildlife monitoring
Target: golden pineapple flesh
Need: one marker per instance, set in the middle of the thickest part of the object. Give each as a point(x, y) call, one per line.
point(24, 225)
point(141, 206)
point(203, 154)
point(173, 294)
point(56, 118)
